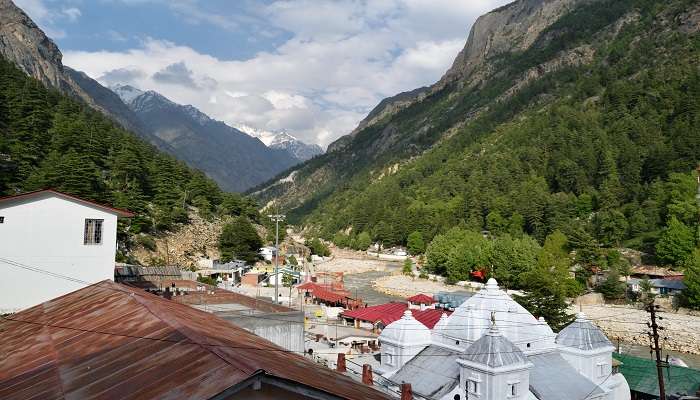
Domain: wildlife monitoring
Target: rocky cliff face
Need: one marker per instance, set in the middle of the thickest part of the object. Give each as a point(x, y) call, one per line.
point(510, 28)
point(25, 44)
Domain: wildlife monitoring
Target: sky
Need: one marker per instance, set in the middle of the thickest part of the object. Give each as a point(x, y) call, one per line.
point(313, 68)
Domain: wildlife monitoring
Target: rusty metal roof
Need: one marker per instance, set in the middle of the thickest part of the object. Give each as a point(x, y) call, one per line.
point(112, 341)
point(214, 295)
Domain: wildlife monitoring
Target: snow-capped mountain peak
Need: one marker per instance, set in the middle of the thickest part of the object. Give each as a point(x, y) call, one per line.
point(126, 92)
point(282, 140)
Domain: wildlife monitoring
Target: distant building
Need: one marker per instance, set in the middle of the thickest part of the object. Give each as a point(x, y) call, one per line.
point(267, 253)
point(112, 341)
point(667, 287)
point(281, 325)
point(56, 232)
point(491, 348)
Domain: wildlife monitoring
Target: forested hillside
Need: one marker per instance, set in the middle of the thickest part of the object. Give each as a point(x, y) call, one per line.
point(604, 147)
point(49, 140)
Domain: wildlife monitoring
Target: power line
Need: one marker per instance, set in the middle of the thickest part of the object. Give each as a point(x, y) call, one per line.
point(506, 324)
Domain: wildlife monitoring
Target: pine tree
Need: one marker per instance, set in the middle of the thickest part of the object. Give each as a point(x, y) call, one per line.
point(676, 243)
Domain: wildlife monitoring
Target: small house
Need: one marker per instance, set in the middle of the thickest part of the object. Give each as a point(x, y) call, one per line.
point(47, 235)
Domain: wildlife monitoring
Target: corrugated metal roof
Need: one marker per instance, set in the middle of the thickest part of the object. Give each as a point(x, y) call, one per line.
point(641, 376)
point(433, 372)
point(214, 295)
point(112, 341)
point(390, 312)
point(551, 377)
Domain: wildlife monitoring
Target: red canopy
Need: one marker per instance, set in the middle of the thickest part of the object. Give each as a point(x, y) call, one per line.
point(421, 299)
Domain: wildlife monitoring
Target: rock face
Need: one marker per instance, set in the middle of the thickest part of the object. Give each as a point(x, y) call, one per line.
point(22, 42)
point(513, 27)
point(233, 159)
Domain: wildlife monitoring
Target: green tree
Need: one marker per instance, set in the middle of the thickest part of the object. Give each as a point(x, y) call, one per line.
point(317, 247)
point(416, 244)
point(363, 241)
point(239, 240)
point(612, 288)
point(676, 243)
point(692, 280)
point(407, 267)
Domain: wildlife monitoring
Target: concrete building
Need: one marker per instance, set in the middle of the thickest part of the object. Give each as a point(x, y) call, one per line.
point(46, 232)
point(491, 348)
point(281, 325)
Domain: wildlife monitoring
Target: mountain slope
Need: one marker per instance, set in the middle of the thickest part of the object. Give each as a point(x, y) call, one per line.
point(555, 114)
point(233, 159)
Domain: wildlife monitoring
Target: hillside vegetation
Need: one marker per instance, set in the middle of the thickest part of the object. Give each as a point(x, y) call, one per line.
point(604, 147)
point(48, 140)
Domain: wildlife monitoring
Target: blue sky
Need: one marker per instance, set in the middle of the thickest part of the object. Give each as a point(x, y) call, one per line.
point(311, 67)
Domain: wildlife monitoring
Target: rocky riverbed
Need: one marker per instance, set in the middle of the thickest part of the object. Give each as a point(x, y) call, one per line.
point(681, 329)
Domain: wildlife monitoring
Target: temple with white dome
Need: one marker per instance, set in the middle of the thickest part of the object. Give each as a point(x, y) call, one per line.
point(492, 348)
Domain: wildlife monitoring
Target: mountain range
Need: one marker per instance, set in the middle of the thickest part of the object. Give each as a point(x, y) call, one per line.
point(235, 160)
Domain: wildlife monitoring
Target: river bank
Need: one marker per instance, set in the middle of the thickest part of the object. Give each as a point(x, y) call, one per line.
point(406, 286)
point(681, 331)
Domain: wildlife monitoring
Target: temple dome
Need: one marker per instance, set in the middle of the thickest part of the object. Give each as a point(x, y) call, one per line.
point(583, 335)
point(406, 331)
point(494, 351)
point(471, 320)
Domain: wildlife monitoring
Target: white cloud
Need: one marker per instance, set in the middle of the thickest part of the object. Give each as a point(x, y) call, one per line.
point(341, 59)
point(48, 17)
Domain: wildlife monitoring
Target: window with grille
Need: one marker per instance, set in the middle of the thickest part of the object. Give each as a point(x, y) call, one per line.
point(93, 231)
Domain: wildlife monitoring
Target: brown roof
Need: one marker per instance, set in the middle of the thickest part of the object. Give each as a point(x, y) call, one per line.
point(653, 270)
point(110, 341)
point(119, 211)
point(222, 296)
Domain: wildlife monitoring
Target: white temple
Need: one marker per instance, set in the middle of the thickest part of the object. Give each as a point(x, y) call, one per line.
point(494, 349)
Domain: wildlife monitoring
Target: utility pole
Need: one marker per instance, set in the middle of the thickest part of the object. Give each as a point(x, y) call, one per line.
point(277, 218)
point(651, 308)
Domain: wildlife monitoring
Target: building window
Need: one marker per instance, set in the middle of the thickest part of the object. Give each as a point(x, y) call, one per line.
point(602, 369)
point(512, 390)
point(473, 387)
point(93, 231)
point(2, 220)
point(389, 359)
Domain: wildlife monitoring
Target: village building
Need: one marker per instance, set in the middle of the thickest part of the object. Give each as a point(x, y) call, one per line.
point(112, 341)
point(48, 232)
point(491, 348)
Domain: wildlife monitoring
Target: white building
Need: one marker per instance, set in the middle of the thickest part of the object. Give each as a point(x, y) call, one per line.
point(267, 253)
point(494, 349)
point(58, 233)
